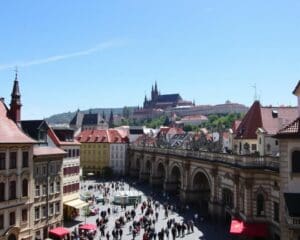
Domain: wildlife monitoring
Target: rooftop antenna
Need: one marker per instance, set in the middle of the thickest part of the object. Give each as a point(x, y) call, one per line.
point(255, 92)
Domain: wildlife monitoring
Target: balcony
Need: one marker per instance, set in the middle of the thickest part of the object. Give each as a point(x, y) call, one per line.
point(267, 162)
point(293, 222)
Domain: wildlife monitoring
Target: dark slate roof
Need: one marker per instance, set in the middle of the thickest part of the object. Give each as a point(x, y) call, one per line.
point(90, 119)
point(64, 134)
point(169, 98)
point(16, 89)
point(292, 201)
point(32, 127)
point(77, 119)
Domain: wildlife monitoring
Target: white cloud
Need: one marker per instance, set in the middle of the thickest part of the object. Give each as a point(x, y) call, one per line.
point(98, 48)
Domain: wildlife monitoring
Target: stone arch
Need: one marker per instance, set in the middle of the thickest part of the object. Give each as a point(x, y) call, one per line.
point(176, 178)
point(201, 188)
point(261, 197)
point(161, 172)
point(147, 169)
point(138, 163)
point(12, 233)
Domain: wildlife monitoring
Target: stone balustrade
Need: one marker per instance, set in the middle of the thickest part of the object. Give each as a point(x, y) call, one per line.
point(243, 161)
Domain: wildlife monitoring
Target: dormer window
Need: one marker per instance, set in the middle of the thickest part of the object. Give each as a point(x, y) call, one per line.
point(274, 113)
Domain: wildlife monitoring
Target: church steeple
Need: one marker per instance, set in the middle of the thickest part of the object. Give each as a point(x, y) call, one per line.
point(15, 104)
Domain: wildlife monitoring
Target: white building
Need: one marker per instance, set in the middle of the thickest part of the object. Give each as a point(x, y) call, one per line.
point(118, 149)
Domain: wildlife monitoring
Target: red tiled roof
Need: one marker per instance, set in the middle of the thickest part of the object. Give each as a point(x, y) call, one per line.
point(145, 139)
point(235, 125)
point(44, 151)
point(175, 130)
point(9, 131)
point(271, 119)
point(250, 123)
point(285, 116)
point(100, 136)
point(292, 130)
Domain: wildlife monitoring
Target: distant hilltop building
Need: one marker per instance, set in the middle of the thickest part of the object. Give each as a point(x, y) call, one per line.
point(170, 104)
point(163, 101)
point(159, 103)
point(88, 121)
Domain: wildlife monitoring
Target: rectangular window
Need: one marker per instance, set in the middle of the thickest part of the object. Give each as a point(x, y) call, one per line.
point(1, 222)
point(57, 187)
point(13, 160)
point(37, 171)
point(25, 159)
point(276, 211)
point(44, 170)
point(44, 211)
point(12, 218)
point(51, 187)
point(253, 146)
point(24, 215)
point(37, 190)
point(2, 192)
point(51, 209)
point(12, 190)
point(2, 161)
point(37, 213)
point(44, 190)
point(57, 207)
point(51, 169)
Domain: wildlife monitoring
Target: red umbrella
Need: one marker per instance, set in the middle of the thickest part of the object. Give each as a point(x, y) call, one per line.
point(88, 227)
point(59, 232)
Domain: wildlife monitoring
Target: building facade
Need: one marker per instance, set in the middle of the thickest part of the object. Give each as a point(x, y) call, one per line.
point(102, 150)
point(16, 179)
point(47, 208)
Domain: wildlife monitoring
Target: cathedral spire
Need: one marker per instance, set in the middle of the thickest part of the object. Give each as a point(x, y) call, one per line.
point(155, 88)
point(15, 104)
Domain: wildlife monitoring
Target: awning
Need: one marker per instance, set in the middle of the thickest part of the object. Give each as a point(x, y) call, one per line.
point(77, 203)
point(88, 227)
point(59, 232)
point(249, 229)
point(292, 201)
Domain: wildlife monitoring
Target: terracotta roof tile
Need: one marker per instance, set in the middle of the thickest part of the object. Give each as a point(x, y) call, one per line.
point(271, 119)
point(292, 130)
point(101, 136)
point(44, 151)
point(9, 131)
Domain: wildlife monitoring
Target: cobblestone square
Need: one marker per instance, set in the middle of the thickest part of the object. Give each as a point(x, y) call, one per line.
point(203, 229)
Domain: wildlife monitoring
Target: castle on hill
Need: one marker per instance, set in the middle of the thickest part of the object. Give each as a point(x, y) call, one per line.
point(164, 101)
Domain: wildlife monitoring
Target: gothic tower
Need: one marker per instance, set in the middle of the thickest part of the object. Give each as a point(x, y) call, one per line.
point(15, 104)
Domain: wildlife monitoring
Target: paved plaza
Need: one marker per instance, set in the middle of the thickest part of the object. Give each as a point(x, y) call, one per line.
point(203, 229)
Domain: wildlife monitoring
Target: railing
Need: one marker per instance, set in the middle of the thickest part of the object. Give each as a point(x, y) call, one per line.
point(293, 222)
point(266, 162)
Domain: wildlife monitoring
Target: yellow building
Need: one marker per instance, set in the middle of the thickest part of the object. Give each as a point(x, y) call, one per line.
point(94, 151)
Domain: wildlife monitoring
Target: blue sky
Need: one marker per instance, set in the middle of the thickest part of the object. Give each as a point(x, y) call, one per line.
point(82, 54)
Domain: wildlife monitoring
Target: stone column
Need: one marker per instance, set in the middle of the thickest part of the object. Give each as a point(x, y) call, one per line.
point(214, 207)
point(186, 193)
point(236, 181)
point(248, 198)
